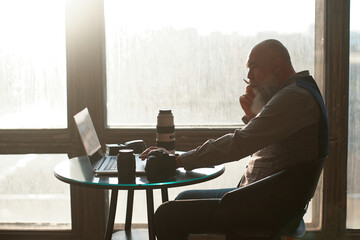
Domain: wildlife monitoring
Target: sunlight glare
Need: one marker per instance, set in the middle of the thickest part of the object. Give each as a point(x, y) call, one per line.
point(32, 59)
point(31, 20)
point(226, 16)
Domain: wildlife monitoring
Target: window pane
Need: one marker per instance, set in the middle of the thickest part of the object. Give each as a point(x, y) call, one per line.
point(353, 185)
point(30, 195)
point(189, 56)
point(32, 64)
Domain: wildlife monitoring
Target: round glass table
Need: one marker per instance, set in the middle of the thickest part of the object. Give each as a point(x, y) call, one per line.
point(78, 171)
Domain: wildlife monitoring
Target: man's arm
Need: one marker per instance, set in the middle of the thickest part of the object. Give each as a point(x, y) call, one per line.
point(245, 100)
point(286, 113)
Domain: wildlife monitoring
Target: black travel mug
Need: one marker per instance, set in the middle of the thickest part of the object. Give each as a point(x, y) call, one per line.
point(126, 166)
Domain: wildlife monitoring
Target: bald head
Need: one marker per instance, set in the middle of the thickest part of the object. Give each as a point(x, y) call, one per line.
point(271, 56)
point(273, 48)
point(269, 66)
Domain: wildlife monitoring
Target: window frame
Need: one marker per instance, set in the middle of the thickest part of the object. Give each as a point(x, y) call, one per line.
point(86, 87)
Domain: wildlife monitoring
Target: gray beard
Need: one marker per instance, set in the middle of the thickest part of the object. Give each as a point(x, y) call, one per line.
point(263, 94)
point(258, 102)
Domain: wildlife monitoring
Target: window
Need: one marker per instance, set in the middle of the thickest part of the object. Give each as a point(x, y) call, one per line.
point(62, 80)
point(30, 196)
point(33, 96)
point(190, 56)
point(32, 64)
point(353, 184)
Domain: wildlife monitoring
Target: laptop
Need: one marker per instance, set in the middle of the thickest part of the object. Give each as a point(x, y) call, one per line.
point(102, 163)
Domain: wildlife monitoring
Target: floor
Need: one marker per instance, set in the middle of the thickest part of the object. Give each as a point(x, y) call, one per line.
point(143, 234)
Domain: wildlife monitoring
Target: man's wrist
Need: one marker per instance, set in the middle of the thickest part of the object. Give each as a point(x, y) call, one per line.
point(247, 118)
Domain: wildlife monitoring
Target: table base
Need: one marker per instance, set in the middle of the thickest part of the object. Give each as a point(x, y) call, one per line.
point(130, 200)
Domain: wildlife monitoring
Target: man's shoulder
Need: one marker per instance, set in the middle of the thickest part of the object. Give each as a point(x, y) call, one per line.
point(292, 91)
point(299, 79)
point(292, 97)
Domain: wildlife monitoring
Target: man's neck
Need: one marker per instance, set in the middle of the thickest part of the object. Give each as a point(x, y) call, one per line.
point(286, 74)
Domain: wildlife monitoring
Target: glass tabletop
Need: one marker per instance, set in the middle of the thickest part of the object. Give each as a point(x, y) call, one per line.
point(78, 171)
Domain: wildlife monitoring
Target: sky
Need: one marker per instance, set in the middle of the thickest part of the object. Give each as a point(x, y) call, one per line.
point(225, 16)
point(354, 15)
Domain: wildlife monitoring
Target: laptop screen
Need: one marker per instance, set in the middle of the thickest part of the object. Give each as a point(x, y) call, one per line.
point(87, 132)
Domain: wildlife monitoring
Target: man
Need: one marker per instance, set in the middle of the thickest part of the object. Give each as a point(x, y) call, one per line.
point(286, 123)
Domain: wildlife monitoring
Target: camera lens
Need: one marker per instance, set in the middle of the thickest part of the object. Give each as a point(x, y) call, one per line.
point(165, 130)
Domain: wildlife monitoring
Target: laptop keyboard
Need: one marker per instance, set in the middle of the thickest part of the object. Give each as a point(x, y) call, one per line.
point(112, 164)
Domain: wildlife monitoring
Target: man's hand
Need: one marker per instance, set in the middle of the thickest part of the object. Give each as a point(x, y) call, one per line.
point(246, 102)
point(144, 155)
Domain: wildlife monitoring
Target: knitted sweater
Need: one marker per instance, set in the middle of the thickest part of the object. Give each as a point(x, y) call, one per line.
point(292, 127)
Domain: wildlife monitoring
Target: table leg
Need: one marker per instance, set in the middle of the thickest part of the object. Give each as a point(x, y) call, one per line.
point(150, 212)
point(112, 211)
point(129, 209)
point(164, 195)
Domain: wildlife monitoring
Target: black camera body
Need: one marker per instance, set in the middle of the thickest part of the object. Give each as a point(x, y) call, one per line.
point(160, 166)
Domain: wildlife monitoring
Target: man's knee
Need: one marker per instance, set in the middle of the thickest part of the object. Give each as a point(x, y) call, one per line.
point(203, 194)
point(189, 194)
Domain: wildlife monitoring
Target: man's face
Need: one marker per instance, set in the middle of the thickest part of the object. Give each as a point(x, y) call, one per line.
point(262, 78)
point(264, 92)
point(260, 66)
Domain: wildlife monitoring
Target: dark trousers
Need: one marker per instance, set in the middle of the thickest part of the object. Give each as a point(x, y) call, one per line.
point(191, 212)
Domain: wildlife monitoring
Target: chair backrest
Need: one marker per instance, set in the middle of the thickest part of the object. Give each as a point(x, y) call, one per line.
point(272, 201)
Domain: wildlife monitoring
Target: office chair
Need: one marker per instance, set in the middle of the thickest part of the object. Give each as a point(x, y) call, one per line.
point(272, 207)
